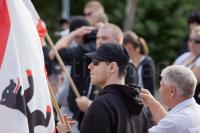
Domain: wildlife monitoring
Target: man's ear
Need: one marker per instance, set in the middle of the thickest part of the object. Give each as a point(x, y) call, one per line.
point(173, 90)
point(113, 67)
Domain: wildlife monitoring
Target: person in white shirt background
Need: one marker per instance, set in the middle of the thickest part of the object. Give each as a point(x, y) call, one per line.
point(177, 88)
point(191, 59)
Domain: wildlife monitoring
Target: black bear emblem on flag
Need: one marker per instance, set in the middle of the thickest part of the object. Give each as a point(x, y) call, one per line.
point(12, 98)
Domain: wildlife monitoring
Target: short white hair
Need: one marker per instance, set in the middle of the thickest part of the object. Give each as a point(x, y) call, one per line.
point(183, 78)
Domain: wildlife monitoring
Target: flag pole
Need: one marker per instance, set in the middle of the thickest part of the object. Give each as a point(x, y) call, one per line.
point(74, 88)
point(55, 104)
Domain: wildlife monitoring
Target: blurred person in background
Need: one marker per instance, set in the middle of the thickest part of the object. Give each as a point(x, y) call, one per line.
point(64, 23)
point(191, 59)
point(98, 19)
point(138, 52)
point(192, 21)
point(56, 79)
point(63, 91)
point(80, 32)
point(91, 8)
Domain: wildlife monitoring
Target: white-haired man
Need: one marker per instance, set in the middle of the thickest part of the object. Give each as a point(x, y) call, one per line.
point(177, 88)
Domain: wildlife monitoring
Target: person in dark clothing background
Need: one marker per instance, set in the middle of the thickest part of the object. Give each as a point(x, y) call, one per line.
point(193, 21)
point(74, 56)
point(191, 59)
point(138, 52)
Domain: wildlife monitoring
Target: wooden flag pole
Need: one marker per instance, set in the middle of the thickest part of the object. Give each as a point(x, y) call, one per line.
point(74, 88)
point(55, 104)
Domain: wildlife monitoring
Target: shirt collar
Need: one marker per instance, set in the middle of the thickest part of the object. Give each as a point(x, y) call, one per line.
point(182, 105)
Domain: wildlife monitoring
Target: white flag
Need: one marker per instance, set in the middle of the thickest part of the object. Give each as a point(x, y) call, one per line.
point(25, 104)
point(29, 5)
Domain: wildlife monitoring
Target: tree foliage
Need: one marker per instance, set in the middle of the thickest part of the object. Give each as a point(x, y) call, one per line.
point(164, 25)
point(50, 12)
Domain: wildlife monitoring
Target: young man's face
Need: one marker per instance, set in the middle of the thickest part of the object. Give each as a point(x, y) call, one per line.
point(105, 36)
point(99, 72)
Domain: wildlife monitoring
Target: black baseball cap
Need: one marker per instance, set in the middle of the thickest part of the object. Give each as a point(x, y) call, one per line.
point(111, 52)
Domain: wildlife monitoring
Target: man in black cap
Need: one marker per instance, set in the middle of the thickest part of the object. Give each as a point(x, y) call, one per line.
point(109, 33)
point(119, 108)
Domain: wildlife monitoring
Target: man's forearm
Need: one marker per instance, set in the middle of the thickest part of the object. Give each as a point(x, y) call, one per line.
point(62, 43)
point(158, 111)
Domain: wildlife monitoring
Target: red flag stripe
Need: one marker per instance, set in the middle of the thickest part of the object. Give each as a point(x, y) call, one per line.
point(4, 28)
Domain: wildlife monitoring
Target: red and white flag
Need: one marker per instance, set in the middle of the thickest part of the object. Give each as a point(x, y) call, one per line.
point(25, 104)
point(29, 5)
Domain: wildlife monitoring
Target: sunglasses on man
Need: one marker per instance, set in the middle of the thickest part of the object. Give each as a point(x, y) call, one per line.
point(194, 41)
point(96, 62)
point(87, 14)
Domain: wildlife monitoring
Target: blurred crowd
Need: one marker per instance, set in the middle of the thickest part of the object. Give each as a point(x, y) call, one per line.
point(89, 33)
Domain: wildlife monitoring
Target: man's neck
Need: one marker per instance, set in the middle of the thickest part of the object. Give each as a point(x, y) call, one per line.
point(177, 101)
point(120, 81)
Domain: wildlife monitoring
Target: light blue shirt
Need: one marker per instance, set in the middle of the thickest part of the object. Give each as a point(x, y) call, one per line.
point(183, 118)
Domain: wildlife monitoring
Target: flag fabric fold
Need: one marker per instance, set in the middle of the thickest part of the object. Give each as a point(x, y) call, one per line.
point(25, 104)
point(4, 27)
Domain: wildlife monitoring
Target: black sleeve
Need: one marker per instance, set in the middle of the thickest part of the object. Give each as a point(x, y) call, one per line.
point(69, 55)
point(131, 77)
point(47, 60)
point(46, 51)
point(149, 75)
